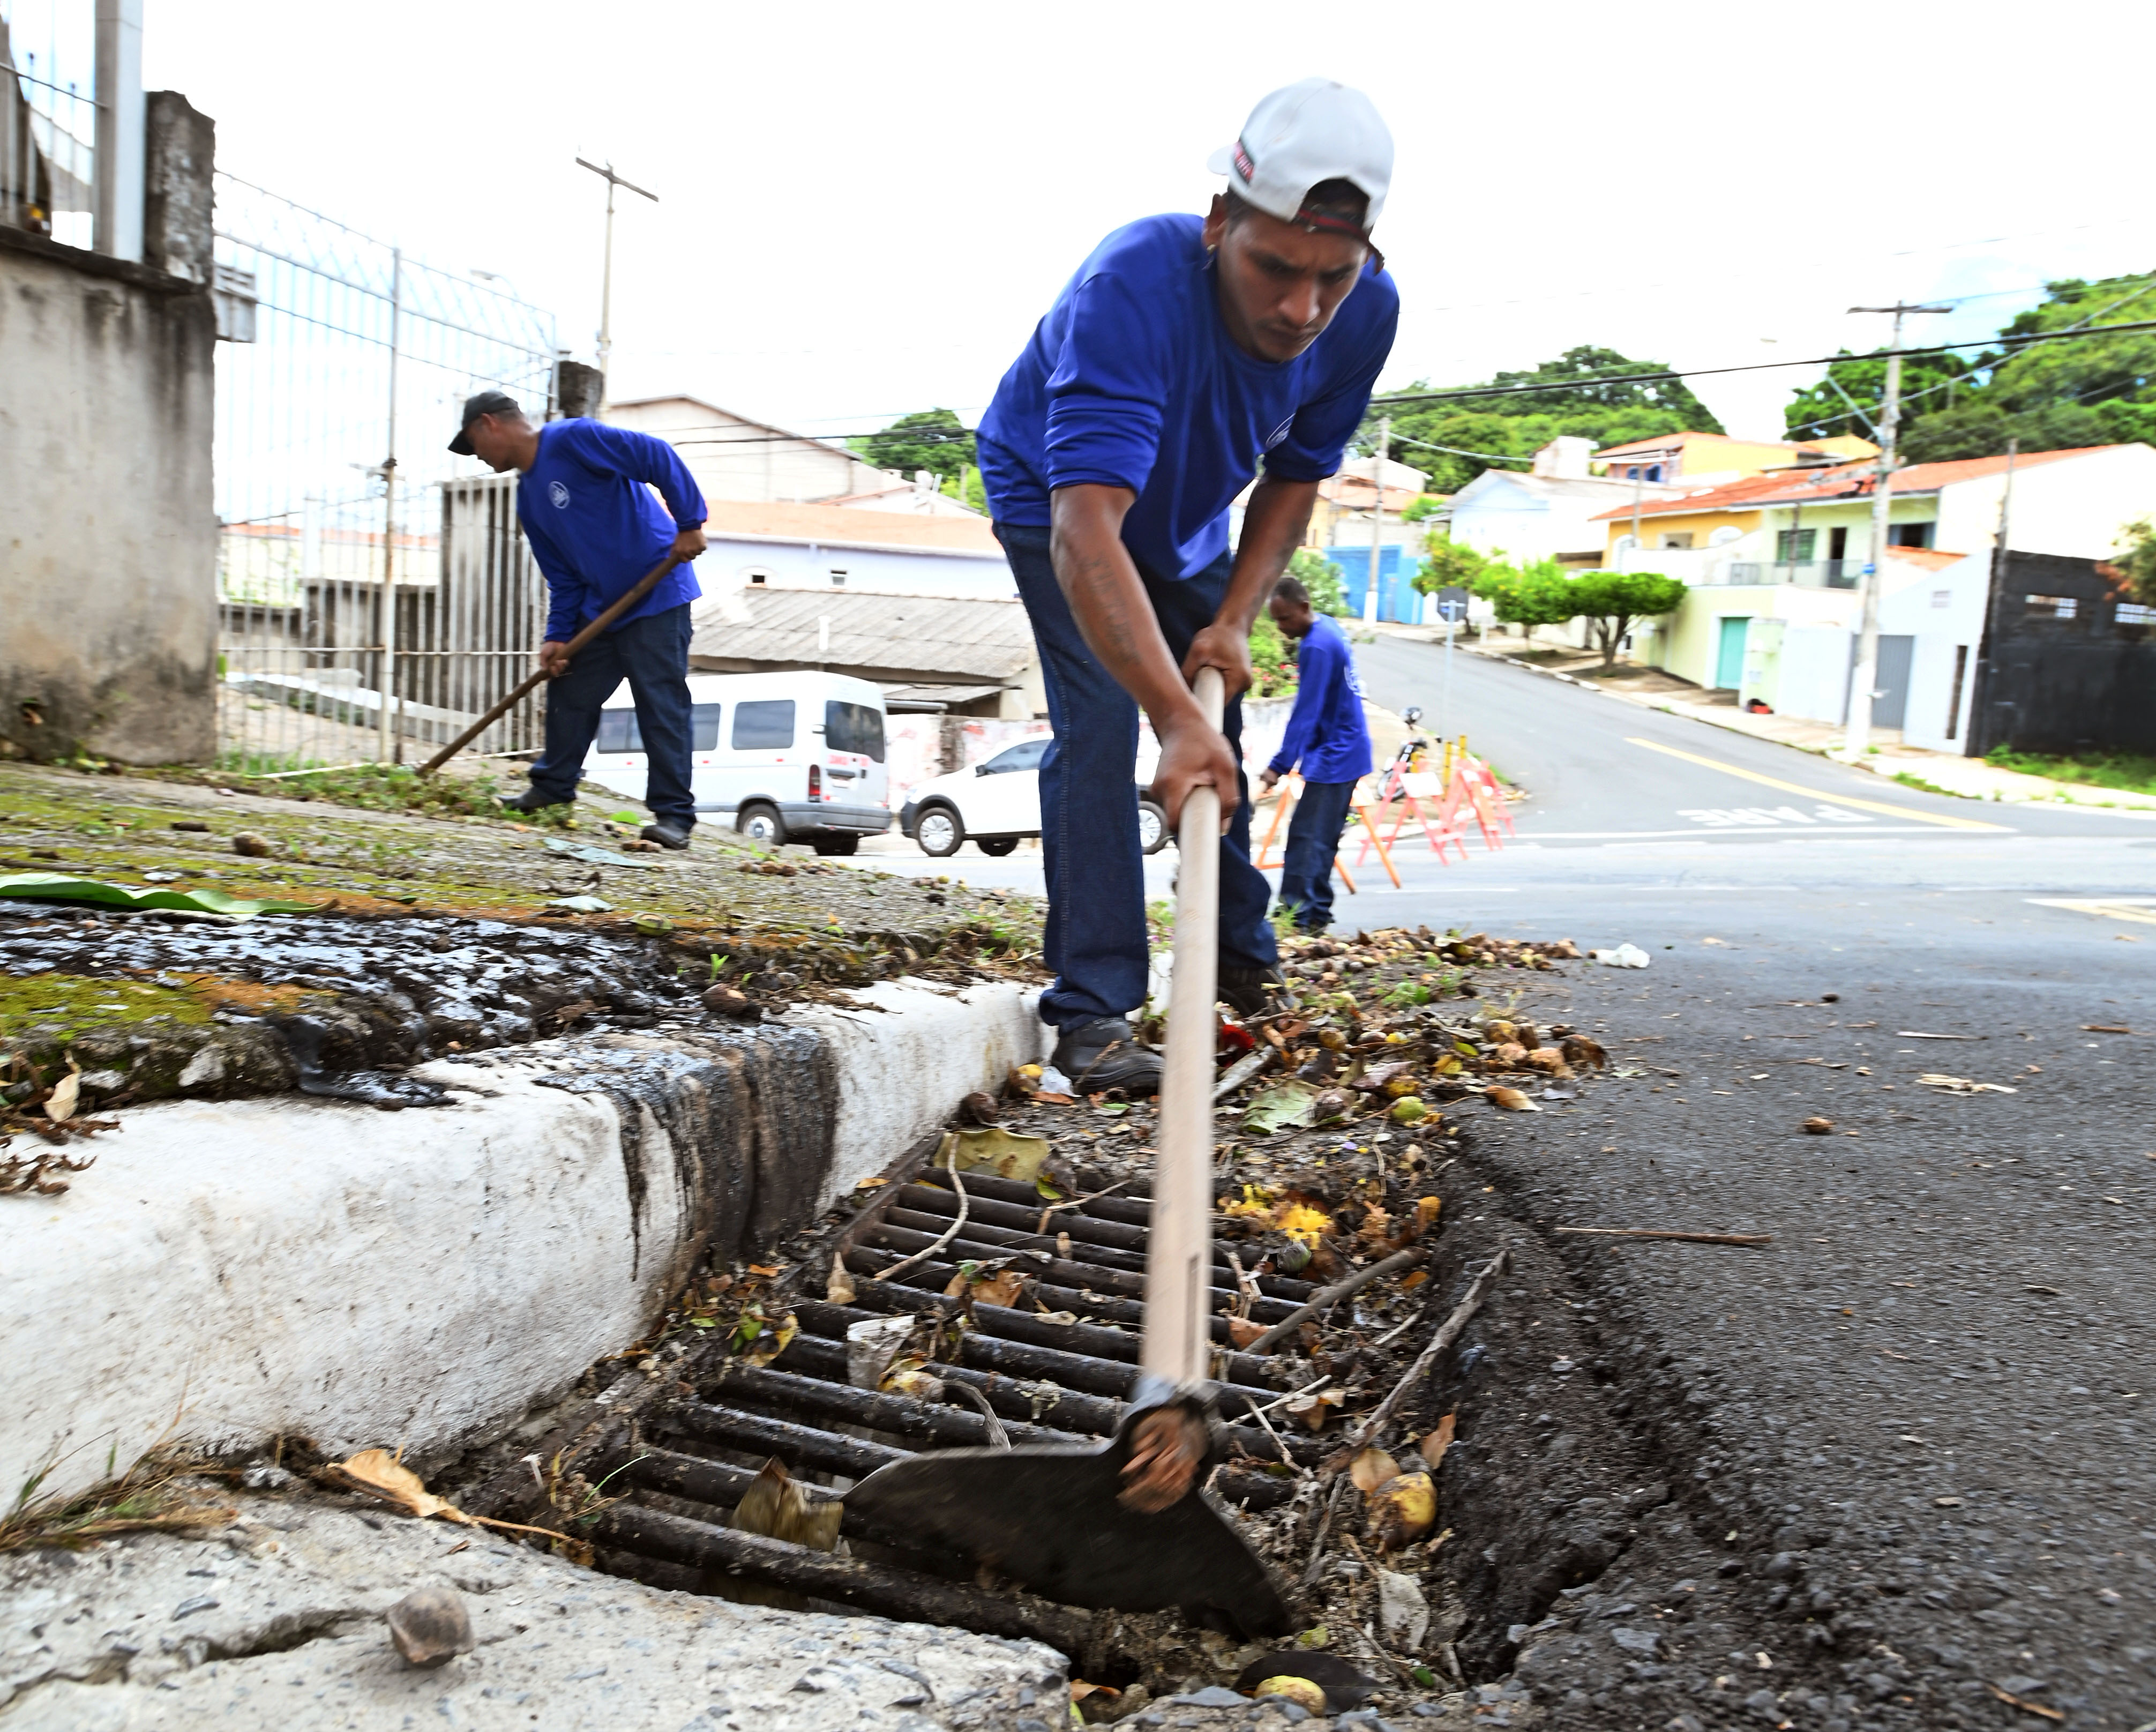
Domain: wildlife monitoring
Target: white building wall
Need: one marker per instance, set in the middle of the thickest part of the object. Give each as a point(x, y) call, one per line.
point(1943, 611)
point(1814, 673)
point(730, 563)
point(732, 458)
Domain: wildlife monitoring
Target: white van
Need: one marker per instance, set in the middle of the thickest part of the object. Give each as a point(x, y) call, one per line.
point(795, 756)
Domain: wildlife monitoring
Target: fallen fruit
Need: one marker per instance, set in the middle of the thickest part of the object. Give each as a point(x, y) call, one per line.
point(1408, 1110)
point(1512, 1100)
point(1299, 1690)
point(729, 1001)
point(1402, 1510)
point(247, 842)
point(1817, 1127)
point(430, 1627)
point(979, 1107)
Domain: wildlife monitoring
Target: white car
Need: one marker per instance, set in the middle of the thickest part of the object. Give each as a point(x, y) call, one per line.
point(998, 801)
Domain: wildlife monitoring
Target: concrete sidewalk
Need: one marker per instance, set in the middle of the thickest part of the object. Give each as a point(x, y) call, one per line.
point(1940, 772)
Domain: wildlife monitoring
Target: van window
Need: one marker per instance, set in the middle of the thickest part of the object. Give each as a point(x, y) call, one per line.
point(619, 731)
point(703, 727)
point(765, 726)
point(853, 728)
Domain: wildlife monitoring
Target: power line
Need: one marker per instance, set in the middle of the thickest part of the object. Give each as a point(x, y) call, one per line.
point(1548, 385)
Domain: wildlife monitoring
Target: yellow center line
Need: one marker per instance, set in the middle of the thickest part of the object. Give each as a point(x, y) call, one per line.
point(1839, 799)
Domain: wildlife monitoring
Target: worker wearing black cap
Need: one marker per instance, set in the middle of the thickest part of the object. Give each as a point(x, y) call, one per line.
point(586, 507)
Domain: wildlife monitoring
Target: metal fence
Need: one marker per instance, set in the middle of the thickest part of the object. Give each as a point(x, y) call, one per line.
point(49, 119)
point(373, 589)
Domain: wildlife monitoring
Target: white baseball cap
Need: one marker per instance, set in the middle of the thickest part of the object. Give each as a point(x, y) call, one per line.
point(1310, 131)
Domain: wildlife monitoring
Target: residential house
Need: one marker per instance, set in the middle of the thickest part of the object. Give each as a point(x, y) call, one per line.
point(1550, 512)
point(1707, 460)
point(734, 457)
point(1776, 557)
point(831, 546)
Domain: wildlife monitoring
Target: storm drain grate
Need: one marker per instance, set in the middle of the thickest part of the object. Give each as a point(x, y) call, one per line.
point(1056, 1366)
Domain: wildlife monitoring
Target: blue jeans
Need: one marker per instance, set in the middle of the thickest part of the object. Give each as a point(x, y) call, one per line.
point(652, 654)
point(1088, 806)
point(1313, 838)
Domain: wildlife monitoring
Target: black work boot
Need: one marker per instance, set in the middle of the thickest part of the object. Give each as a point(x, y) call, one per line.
point(1103, 1054)
point(666, 835)
point(1244, 990)
point(532, 800)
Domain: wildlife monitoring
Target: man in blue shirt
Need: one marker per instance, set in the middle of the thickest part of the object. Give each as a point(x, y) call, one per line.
point(1182, 353)
point(1327, 736)
point(588, 515)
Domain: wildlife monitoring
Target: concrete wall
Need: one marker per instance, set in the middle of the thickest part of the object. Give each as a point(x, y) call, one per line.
point(108, 542)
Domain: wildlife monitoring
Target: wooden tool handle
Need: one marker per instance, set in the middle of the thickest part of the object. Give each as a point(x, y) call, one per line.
point(643, 586)
point(1180, 1248)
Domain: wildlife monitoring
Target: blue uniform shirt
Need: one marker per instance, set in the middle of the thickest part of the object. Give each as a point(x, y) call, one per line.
point(1133, 381)
point(594, 527)
point(1325, 732)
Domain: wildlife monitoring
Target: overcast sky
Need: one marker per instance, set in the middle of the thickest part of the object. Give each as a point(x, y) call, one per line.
point(866, 209)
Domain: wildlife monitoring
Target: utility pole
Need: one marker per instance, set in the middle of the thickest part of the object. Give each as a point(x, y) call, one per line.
point(606, 278)
point(1866, 671)
point(1377, 513)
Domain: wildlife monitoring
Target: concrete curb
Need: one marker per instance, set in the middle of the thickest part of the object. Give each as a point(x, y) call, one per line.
point(230, 1271)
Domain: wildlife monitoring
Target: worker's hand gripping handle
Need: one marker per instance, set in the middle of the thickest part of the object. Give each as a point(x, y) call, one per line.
point(1179, 1250)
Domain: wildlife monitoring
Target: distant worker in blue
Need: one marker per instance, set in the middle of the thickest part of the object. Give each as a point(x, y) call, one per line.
point(594, 527)
point(1184, 353)
point(1329, 739)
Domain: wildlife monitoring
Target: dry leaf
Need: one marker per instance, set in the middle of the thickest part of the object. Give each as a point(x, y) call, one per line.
point(772, 1343)
point(1242, 1331)
point(1414, 1280)
point(1376, 1226)
point(1508, 1055)
point(379, 1471)
point(1512, 1100)
point(1005, 1287)
point(1402, 1510)
point(838, 1289)
point(907, 1378)
point(59, 1104)
point(1009, 1154)
point(1434, 1447)
point(1372, 1468)
point(763, 1268)
point(1426, 1212)
point(1584, 1052)
point(1962, 1085)
point(1079, 1690)
point(1312, 1408)
point(776, 1507)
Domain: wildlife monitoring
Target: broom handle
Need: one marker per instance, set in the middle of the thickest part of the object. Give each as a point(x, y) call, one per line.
point(1180, 1248)
point(643, 586)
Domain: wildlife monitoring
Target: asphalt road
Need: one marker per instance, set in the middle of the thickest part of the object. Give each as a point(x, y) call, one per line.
point(1939, 1372)
point(1929, 1393)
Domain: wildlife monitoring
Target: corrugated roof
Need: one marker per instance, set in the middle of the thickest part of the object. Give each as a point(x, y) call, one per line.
point(1844, 480)
point(914, 640)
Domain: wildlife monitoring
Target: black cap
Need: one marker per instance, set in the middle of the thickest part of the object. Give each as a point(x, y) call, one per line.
point(480, 402)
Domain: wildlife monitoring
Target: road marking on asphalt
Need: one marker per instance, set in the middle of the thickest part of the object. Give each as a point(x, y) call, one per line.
point(1839, 800)
point(2134, 908)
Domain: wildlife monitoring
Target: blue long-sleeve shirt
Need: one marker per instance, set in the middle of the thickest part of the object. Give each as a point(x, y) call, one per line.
point(1133, 381)
point(594, 527)
point(1326, 732)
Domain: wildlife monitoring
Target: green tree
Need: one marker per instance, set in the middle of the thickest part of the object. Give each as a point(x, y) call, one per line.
point(2047, 396)
point(1273, 673)
point(1321, 577)
point(2135, 568)
point(933, 439)
point(1579, 402)
point(1451, 565)
point(1527, 596)
point(1613, 602)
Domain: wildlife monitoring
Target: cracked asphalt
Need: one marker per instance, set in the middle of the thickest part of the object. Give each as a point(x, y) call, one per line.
point(1923, 1408)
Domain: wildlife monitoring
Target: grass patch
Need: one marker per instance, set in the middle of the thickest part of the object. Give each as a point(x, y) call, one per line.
point(1917, 781)
point(71, 1005)
point(148, 1497)
point(399, 788)
point(2130, 772)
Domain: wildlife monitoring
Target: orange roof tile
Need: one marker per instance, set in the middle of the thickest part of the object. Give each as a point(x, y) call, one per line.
point(1842, 480)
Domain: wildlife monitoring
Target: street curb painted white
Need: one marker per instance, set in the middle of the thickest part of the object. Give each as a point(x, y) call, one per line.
point(231, 1271)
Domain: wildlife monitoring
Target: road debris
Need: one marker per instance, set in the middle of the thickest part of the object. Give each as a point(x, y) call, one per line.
point(430, 1627)
point(1670, 1233)
point(1962, 1085)
point(1623, 956)
point(1816, 1126)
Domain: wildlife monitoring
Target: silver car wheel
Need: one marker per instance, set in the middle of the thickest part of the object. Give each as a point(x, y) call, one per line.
point(1153, 829)
point(937, 833)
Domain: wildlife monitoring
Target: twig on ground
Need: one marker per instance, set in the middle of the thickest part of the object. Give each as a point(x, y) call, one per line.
point(1258, 1415)
point(948, 1233)
point(1040, 1226)
point(1662, 1233)
point(1400, 1329)
point(1241, 1072)
point(1324, 1527)
point(1331, 1295)
point(1318, 1383)
point(1448, 1332)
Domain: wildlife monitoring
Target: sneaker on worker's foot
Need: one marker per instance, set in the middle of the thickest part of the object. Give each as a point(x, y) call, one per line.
point(665, 835)
point(1103, 1054)
point(1244, 990)
point(532, 800)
